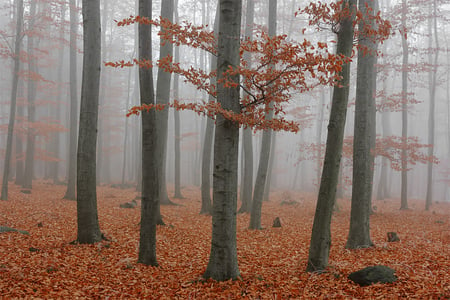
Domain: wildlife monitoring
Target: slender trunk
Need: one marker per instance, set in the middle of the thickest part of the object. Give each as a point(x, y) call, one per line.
point(162, 97)
point(431, 121)
point(321, 235)
point(12, 109)
point(18, 141)
point(150, 179)
point(247, 144)
point(268, 186)
point(31, 97)
point(125, 136)
point(72, 168)
point(261, 176)
point(208, 141)
point(176, 117)
point(404, 172)
point(87, 217)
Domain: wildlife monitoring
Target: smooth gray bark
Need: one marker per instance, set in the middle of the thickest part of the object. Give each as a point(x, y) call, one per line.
point(12, 109)
point(431, 115)
point(176, 117)
point(87, 216)
point(270, 176)
point(150, 179)
point(263, 166)
point(319, 249)
point(125, 136)
point(246, 191)
point(162, 97)
point(359, 233)
point(404, 172)
point(19, 143)
point(223, 264)
point(72, 159)
point(31, 97)
point(208, 139)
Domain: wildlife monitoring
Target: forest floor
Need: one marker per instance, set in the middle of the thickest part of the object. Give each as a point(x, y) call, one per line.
point(272, 261)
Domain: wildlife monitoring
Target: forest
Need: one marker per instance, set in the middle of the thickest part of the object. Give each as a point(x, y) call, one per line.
point(225, 149)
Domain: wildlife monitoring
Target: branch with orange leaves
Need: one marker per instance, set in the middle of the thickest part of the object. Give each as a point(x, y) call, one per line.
point(256, 121)
point(280, 67)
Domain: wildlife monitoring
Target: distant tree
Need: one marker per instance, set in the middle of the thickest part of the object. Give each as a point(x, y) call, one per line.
point(87, 219)
point(433, 61)
point(405, 50)
point(12, 110)
point(162, 97)
point(208, 139)
point(31, 97)
point(73, 110)
point(176, 117)
point(246, 190)
point(261, 175)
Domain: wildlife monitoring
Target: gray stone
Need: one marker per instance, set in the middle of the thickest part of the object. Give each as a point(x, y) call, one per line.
point(373, 274)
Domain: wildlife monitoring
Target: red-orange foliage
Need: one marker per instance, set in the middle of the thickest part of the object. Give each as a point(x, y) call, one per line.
point(279, 66)
point(272, 261)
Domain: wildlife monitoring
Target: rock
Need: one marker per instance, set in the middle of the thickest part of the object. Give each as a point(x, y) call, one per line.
point(10, 229)
point(392, 237)
point(131, 204)
point(276, 222)
point(373, 274)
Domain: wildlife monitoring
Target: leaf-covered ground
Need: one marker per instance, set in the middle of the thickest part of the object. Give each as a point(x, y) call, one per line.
point(272, 261)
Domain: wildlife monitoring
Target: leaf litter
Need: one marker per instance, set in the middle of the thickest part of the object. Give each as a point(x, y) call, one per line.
point(272, 261)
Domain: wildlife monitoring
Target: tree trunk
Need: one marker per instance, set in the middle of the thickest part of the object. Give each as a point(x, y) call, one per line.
point(359, 233)
point(150, 179)
point(18, 141)
point(12, 109)
point(431, 121)
point(223, 264)
point(125, 136)
point(176, 117)
point(261, 176)
point(404, 184)
point(247, 144)
point(162, 97)
point(88, 227)
point(31, 97)
point(208, 141)
point(268, 185)
point(321, 236)
point(72, 168)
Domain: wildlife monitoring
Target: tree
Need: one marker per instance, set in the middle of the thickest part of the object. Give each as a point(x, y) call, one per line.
point(87, 218)
point(261, 175)
point(150, 179)
point(31, 96)
point(162, 97)
point(72, 167)
point(363, 146)
point(223, 264)
point(404, 184)
point(246, 191)
point(176, 117)
point(321, 236)
point(432, 27)
point(12, 110)
point(208, 138)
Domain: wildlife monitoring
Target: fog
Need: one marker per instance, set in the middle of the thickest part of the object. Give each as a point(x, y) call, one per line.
point(294, 166)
